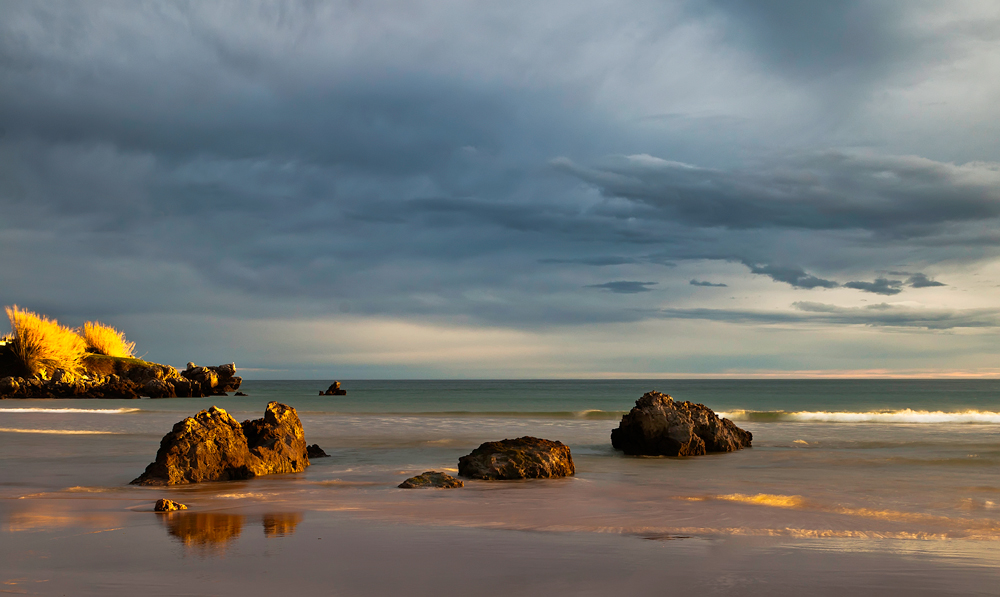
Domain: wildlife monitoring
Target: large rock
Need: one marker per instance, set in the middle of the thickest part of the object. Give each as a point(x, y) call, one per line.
point(212, 446)
point(213, 381)
point(521, 458)
point(659, 426)
point(431, 479)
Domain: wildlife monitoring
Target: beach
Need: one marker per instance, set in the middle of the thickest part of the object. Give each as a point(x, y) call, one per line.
point(871, 486)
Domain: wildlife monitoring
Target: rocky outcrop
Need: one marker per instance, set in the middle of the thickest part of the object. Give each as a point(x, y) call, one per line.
point(314, 451)
point(212, 446)
point(165, 505)
point(334, 390)
point(118, 377)
point(659, 426)
point(521, 458)
point(213, 381)
point(431, 479)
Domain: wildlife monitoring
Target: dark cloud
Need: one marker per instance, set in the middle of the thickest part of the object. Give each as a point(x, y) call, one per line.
point(881, 315)
point(794, 276)
point(904, 195)
point(879, 286)
point(712, 284)
point(598, 260)
point(918, 280)
point(625, 286)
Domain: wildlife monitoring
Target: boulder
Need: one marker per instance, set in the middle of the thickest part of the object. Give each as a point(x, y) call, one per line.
point(521, 458)
point(314, 451)
point(277, 441)
point(165, 505)
point(212, 446)
point(431, 479)
point(659, 426)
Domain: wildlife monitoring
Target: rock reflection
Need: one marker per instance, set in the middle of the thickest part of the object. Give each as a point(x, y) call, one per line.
point(204, 530)
point(279, 525)
point(210, 531)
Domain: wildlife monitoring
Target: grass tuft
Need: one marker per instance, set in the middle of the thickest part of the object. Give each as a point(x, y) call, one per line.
point(106, 340)
point(41, 345)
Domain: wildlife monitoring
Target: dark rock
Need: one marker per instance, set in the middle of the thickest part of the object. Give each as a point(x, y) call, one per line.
point(430, 479)
point(659, 426)
point(314, 451)
point(212, 446)
point(165, 505)
point(521, 458)
point(213, 381)
point(334, 390)
point(239, 394)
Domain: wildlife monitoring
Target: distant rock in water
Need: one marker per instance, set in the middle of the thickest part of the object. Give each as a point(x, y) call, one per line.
point(521, 458)
point(431, 479)
point(314, 451)
point(659, 426)
point(212, 446)
point(165, 505)
point(334, 390)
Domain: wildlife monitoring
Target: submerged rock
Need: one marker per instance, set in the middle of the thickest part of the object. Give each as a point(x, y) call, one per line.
point(431, 479)
point(212, 446)
point(521, 458)
point(314, 451)
point(659, 426)
point(165, 505)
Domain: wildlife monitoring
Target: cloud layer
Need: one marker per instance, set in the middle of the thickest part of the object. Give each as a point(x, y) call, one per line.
point(567, 166)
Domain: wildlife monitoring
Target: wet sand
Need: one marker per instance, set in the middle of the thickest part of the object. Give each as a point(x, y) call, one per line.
point(57, 545)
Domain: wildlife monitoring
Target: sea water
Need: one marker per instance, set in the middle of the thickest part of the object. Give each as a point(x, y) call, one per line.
point(846, 466)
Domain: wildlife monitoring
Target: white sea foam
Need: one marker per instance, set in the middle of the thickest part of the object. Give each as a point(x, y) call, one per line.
point(57, 431)
point(897, 416)
point(63, 411)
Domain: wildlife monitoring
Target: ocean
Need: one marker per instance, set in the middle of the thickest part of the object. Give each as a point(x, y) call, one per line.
point(872, 486)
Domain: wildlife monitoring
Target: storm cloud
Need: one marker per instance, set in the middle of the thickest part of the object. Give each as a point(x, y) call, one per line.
point(517, 166)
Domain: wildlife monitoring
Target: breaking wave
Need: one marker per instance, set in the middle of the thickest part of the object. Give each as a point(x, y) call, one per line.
point(895, 416)
point(57, 431)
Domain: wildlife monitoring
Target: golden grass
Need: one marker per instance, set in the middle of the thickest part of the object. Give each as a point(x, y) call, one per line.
point(41, 345)
point(106, 340)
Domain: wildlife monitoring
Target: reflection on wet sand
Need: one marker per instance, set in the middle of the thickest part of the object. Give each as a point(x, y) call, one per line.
point(211, 531)
point(279, 525)
point(204, 530)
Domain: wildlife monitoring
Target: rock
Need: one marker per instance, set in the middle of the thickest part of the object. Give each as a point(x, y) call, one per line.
point(431, 479)
point(314, 451)
point(165, 505)
point(239, 394)
point(214, 381)
point(212, 446)
point(659, 426)
point(334, 390)
point(277, 440)
point(521, 458)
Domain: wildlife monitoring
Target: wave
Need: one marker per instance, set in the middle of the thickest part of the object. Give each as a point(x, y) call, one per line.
point(589, 414)
point(63, 411)
point(895, 416)
point(58, 431)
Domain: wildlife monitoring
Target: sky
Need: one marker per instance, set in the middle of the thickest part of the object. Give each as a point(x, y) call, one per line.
point(715, 188)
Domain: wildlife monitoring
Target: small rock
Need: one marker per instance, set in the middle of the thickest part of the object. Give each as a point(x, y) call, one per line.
point(430, 479)
point(334, 390)
point(521, 458)
point(165, 505)
point(239, 394)
point(314, 451)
